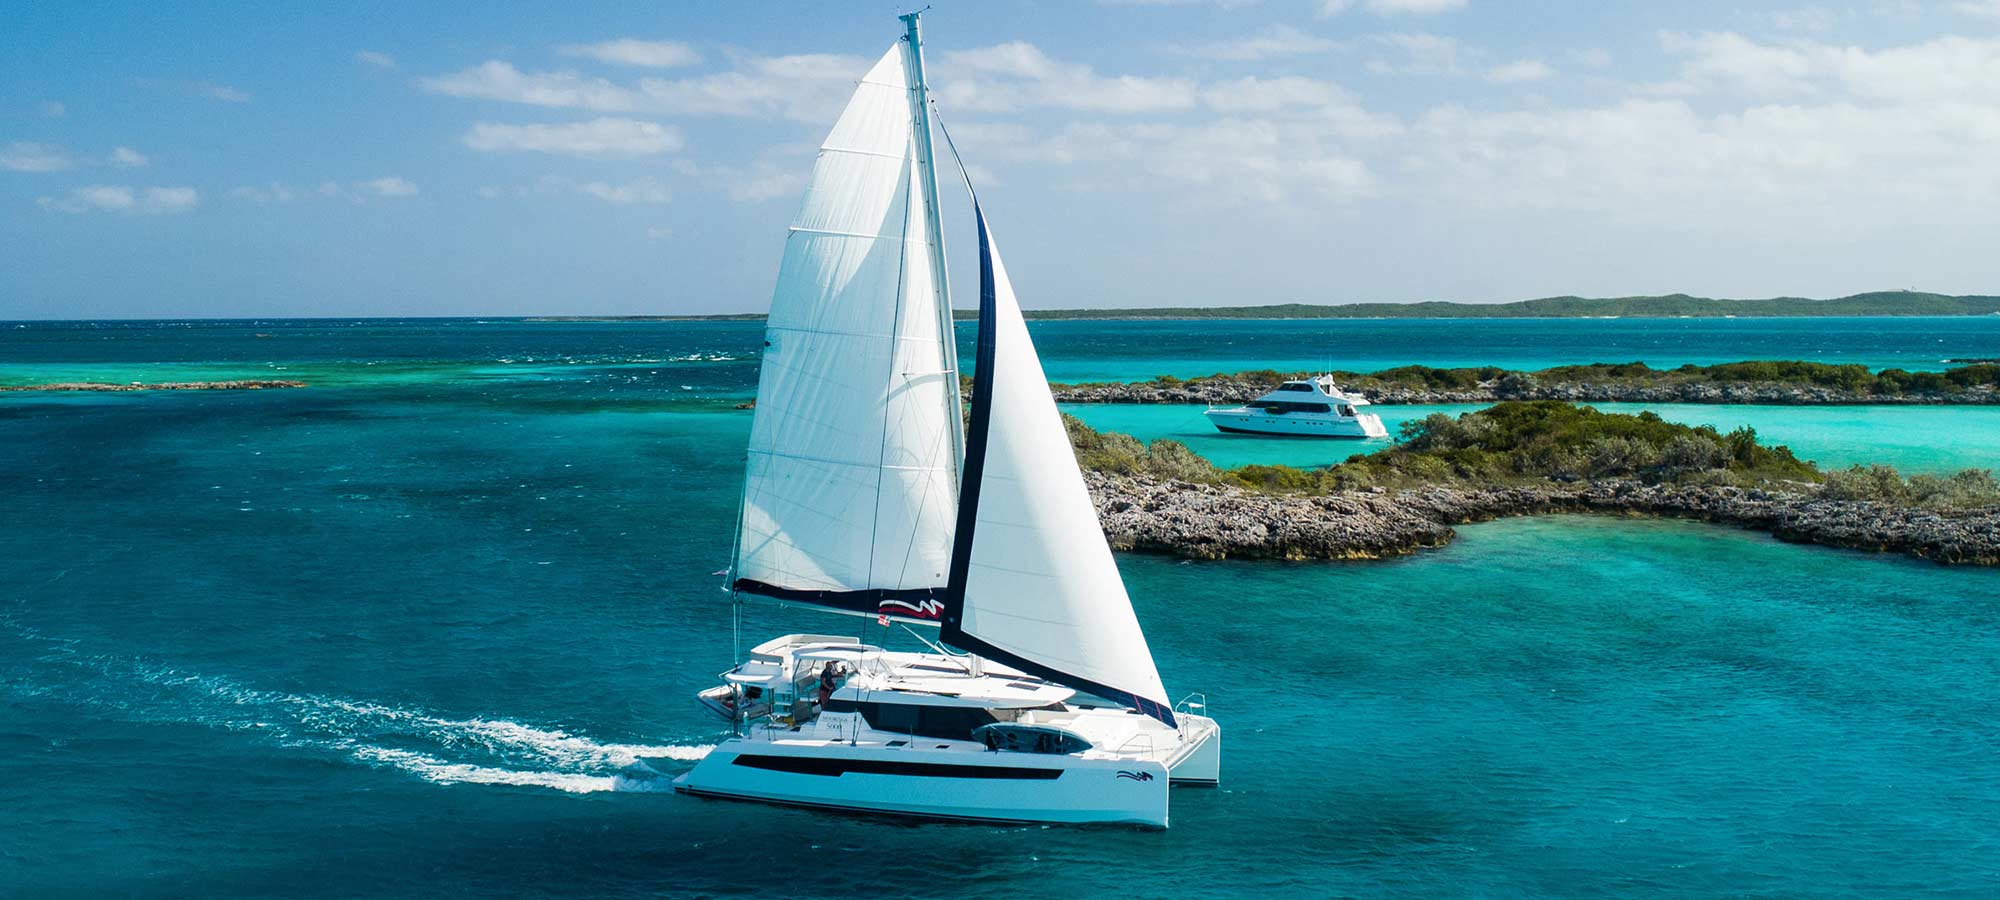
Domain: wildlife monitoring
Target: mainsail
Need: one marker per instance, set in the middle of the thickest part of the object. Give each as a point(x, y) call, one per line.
point(850, 495)
point(1033, 582)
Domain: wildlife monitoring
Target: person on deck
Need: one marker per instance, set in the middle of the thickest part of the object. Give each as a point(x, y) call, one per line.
point(829, 678)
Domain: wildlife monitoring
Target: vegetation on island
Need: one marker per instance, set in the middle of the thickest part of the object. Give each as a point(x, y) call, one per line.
point(1853, 378)
point(1874, 303)
point(1522, 442)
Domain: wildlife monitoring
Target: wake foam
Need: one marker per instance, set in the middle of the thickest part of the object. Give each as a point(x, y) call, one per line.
point(436, 748)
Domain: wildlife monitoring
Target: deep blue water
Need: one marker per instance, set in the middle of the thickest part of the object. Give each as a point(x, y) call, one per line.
point(399, 636)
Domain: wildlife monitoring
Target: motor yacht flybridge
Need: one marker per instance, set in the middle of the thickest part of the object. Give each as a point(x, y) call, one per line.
point(866, 494)
point(1311, 407)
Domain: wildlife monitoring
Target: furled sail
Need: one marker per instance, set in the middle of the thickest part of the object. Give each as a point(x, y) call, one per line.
point(1033, 582)
point(850, 496)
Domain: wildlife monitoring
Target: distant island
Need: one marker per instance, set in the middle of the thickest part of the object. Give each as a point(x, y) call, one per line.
point(1781, 382)
point(1667, 306)
point(1523, 458)
point(1876, 303)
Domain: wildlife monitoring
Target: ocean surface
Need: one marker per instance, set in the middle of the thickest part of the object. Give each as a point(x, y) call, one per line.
point(404, 632)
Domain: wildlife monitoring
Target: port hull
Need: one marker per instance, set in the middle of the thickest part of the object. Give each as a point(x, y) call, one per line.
point(955, 783)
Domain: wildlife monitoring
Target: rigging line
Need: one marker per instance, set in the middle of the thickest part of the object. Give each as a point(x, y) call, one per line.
point(951, 145)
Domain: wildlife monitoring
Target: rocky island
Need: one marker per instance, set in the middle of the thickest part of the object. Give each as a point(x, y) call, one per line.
point(1756, 382)
point(1523, 458)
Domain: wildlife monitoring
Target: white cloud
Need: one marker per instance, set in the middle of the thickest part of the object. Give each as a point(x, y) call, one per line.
point(659, 233)
point(603, 137)
point(389, 186)
point(22, 156)
point(270, 193)
point(1804, 18)
point(631, 52)
point(51, 109)
point(643, 190)
point(1332, 111)
point(1392, 7)
point(1264, 159)
point(221, 92)
point(809, 88)
point(1222, 4)
point(1414, 7)
point(121, 199)
point(126, 157)
point(1278, 40)
point(1420, 54)
point(1733, 62)
point(1593, 57)
point(1520, 71)
point(758, 181)
point(1948, 68)
point(1018, 75)
point(1985, 9)
point(375, 58)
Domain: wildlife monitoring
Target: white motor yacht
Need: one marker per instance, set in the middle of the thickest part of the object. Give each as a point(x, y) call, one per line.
point(1314, 407)
point(868, 493)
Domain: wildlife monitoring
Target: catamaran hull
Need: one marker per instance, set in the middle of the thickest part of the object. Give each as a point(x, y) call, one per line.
point(1297, 424)
point(948, 784)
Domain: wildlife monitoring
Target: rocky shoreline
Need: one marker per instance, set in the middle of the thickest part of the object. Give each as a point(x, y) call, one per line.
point(1211, 521)
point(242, 385)
point(1231, 389)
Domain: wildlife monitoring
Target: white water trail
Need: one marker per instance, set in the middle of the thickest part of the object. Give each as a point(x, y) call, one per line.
point(436, 748)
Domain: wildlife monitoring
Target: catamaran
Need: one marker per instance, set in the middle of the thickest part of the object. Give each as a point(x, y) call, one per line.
point(1312, 407)
point(868, 493)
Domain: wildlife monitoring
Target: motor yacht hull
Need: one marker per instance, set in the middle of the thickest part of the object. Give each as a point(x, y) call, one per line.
point(1257, 421)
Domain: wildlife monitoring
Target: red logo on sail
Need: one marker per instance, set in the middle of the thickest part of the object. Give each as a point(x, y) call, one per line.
point(921, 609)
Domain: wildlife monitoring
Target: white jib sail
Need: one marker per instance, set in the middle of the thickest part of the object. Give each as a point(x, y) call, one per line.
point(851, 481)
point(1042, 584)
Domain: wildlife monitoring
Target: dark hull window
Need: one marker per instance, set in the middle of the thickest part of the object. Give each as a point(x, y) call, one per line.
point(838, 767)
point(954, 723)
point(1285, 406)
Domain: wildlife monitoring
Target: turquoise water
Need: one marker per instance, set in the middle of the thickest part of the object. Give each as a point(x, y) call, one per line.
point(401, 638)
point(1932, 439)
point(351, 351)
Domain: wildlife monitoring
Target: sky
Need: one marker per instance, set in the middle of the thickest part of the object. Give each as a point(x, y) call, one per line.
point(442, 159)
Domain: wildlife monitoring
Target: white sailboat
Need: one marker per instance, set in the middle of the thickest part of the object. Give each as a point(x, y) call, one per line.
point(1039, 700)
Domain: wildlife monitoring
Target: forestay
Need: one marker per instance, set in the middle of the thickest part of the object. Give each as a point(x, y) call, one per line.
point(1033, 581)
point(850, 496)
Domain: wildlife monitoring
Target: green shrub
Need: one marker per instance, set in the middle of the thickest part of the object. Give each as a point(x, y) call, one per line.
point(1173, 459)
point(1879, 483)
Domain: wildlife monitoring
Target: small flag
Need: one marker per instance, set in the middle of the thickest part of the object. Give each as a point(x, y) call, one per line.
point(882, 620)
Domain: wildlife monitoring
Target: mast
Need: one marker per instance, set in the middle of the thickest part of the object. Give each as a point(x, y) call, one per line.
point(920, 117)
